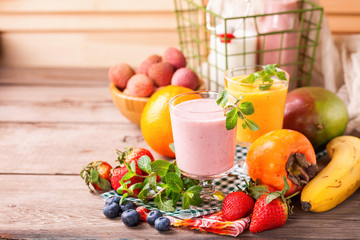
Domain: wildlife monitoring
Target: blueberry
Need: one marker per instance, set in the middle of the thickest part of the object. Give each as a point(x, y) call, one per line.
point(111, 210)
point(130, 217)
point(152, 216)
point(127, 205)
point(162, 224)
point(113, 199)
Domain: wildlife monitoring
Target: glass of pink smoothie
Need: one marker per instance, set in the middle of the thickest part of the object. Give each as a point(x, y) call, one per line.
point(205, 150)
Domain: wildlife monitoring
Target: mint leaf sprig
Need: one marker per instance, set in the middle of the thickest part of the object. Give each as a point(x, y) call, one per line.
point(266, 76)
point(172, 188)
point(235, 111)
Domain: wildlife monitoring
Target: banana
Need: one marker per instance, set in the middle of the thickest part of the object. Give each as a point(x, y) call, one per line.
point(338, 180)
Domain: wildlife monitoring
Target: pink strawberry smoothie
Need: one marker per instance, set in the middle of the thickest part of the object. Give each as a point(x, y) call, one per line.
point(204, 148)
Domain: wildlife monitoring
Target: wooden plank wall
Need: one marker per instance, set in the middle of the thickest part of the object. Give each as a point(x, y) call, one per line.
point(100, 33)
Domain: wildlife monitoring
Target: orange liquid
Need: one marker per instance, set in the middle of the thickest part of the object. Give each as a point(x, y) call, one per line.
point(269, 107)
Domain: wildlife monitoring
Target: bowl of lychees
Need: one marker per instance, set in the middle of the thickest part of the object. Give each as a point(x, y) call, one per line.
point(131, 88)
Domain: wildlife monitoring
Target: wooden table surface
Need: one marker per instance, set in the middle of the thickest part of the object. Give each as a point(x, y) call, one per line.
point(52, 123)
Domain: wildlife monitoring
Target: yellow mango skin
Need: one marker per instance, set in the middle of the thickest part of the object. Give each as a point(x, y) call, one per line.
point(338, 180)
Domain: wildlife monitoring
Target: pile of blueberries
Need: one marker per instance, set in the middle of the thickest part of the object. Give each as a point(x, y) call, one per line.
point(131, 217)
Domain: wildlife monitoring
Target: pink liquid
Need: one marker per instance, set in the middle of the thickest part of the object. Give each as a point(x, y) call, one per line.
point(278, 23)
point(203, 145)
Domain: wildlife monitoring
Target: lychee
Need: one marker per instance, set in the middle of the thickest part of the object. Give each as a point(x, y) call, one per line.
point(146, 64)
point(186, 78)
point(139, 85)
point(161, 73)
point(175, 57)
point(120, 74)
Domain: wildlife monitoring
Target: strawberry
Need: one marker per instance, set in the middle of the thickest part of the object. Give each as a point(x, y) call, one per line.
point(271, 210)
point(237, 205)
point(97, 174)
point(119, 172)
point(255, 190)
point(133, 154)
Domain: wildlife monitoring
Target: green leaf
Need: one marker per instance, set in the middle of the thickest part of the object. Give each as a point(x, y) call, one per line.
point(244, 125)
point(249, 79)
point(222, 98)
point(159, 202)
point(133, 166)
point(271, 69)
point(128, 166)
point(247, 108)
point(174, 182)
point(104, 184)
point(169, 202)
point(177, 170)
point(127, 176)
point(196, 200)
point(172, 147)
point(194, 189)
point(185, 201)
point(94, 175)
point(143, 193)
point(123, 187)
point(239, 99)
point(188, 183)
point(267, 78)
point(272, 196)
point(252, 125)
point(281, 76)
point(144, 163)
point(175, 197)
point(231, 119)
point(265, 86)
point(240, 115)
point(125, 195)
point(135, 186)
point(259, 75)
point(160, 167)
point(152, 183)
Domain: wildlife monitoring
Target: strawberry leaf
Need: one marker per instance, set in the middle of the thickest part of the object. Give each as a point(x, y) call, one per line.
point(104, 184)
point(94, 175)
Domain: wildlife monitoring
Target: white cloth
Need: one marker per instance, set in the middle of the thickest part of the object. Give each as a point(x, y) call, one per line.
point(337, 68)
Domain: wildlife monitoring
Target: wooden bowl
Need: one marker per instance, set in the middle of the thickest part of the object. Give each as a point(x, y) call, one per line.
point(130, 107)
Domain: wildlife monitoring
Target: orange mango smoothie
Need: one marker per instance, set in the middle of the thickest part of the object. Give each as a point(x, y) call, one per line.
point(269, 106)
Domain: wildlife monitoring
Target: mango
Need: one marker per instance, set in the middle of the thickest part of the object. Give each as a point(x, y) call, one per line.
point(317, 113)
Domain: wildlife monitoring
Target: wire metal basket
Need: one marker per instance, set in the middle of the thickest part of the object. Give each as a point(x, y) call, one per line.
point(209, 53)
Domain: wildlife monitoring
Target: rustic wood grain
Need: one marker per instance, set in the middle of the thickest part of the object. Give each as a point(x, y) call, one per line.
point(83, 49)
point(61, 207)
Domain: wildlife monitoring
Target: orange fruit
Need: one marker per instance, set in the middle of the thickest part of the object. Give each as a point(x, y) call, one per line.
point(155, 121)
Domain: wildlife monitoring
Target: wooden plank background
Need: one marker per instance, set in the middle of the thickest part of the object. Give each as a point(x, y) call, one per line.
point(101, 33)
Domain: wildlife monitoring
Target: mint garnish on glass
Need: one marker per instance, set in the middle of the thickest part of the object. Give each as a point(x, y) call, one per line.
point(235, 111)
point(266, 76)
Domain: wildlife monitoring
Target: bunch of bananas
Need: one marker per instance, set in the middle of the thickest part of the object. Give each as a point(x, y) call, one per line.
point(338, 180)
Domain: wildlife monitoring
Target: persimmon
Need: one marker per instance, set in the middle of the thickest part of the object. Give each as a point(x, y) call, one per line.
point(282, 153)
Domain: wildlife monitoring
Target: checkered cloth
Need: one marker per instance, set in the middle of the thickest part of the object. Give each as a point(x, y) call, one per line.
point(225, 185)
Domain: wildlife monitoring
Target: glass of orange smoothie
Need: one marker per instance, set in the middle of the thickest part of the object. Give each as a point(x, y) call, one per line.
point(268, 99)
